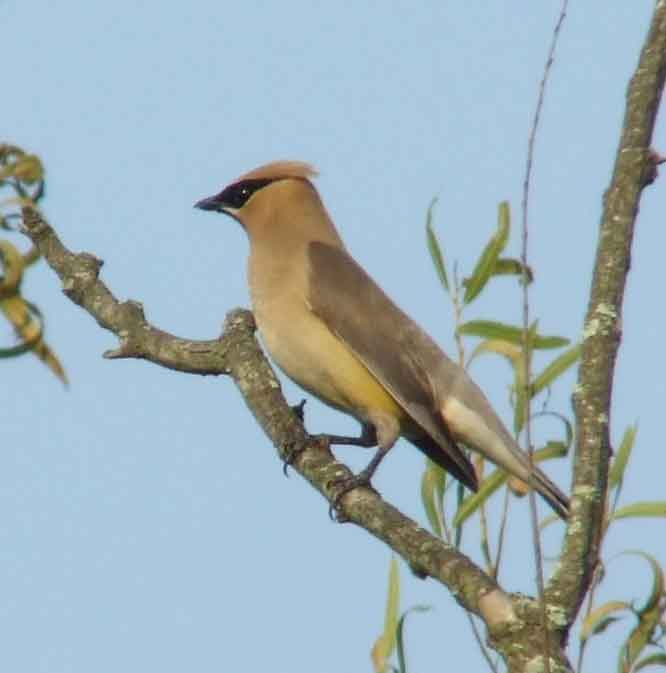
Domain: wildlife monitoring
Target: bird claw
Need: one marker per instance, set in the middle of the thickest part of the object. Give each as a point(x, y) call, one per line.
point(336, 515)
point(344, 486)
point(289, 456)
point(291, 453)
point(287, 462)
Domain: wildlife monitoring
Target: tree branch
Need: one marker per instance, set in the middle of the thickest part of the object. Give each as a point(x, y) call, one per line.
point(635, 166)
point(238, 354)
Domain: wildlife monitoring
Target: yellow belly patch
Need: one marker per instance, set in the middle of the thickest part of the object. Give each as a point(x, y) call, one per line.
point(317, 360)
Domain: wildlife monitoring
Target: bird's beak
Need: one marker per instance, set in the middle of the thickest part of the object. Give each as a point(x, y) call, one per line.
point(209, 203)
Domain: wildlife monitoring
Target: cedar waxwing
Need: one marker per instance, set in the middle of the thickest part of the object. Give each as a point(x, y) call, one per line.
point(333, 331)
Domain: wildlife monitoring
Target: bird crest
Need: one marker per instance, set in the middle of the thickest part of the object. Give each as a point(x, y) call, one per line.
point(279, 170)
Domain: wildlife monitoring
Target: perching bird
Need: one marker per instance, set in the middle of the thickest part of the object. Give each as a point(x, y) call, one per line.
point(333, 331)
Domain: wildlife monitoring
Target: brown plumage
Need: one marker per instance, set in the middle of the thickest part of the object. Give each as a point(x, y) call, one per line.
point(278, 170)
point(331, 329)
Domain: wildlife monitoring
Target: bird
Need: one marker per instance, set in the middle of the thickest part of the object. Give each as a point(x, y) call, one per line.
point(330, 328)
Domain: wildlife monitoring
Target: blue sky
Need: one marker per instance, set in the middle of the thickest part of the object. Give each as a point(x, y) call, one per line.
point(146, 523)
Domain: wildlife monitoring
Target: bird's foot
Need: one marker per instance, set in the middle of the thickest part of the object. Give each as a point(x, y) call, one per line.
point(289, 456)
point(367, 438)
point(342, 487)
point(363, 478)
point(291, 453)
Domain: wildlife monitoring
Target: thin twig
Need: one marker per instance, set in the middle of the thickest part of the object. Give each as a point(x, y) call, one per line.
point(461, 360)
point(482, 646)
point(458, 309)
point(538, 556)
point(502, 531)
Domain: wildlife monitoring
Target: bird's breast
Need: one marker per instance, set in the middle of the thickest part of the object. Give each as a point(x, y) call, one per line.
point(309, 353)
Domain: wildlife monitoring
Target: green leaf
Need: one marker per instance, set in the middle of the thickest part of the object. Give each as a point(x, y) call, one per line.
point(649, 508)
point(552, 449)
point(460, 496)
point(26, 168)
point(658, 579)
point(510, 351)
point(20, 313)
point(649, 615)
point(433, 484)
point(20, 349)
point(506, 266)
point(470, 504)
point(520, 406)
point(521, 388)
point(489, 256)
point(555, 369)
point(600, 618)
point(435, 249)
point(622, 456)
point(657, 659)
point(29, 169)
point(490, 329)
point(547, 520)
point(402, 664)
point(12, 265)
point(385, 644)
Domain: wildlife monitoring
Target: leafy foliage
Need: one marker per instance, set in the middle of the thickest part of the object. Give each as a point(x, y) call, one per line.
point(22, 174)
point(645, 642)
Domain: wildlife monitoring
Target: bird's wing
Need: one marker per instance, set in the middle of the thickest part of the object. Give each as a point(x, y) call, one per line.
point(397, 352)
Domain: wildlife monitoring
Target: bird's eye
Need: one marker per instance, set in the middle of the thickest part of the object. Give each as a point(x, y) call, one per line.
point(237, 195)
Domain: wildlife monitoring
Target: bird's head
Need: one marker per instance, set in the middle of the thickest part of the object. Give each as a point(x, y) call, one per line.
point(264, 194)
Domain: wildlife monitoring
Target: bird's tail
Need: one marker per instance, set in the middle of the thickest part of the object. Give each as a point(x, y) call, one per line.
point(462, 469)
point(550, 492)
